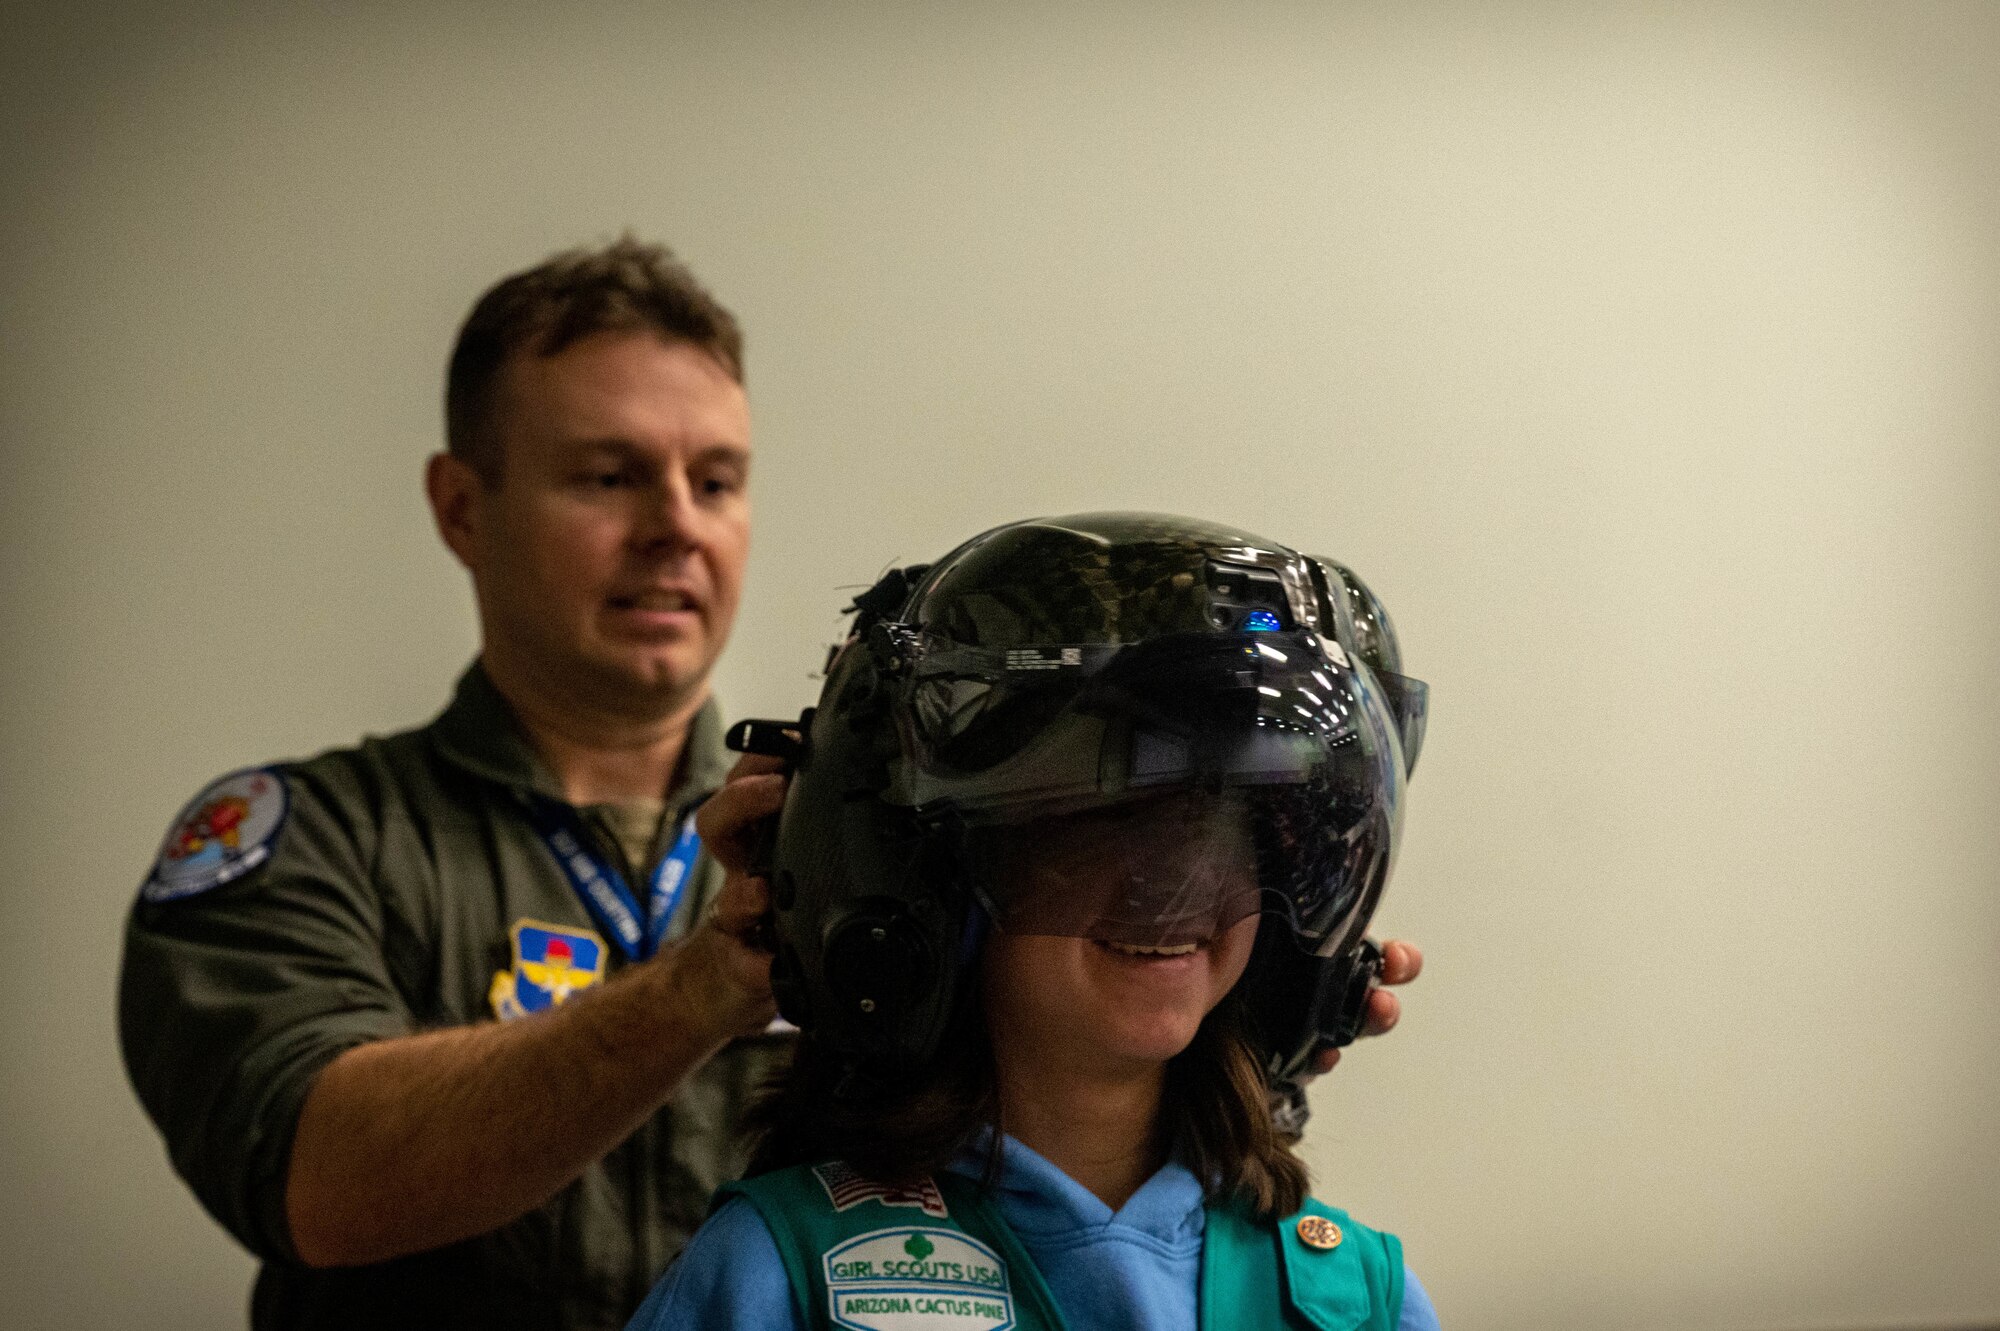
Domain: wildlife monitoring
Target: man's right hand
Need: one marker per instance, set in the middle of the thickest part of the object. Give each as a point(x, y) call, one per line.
point(410, 1143)
point(722, 966)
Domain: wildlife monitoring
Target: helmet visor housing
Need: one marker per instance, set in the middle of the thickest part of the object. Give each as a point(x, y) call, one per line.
point(1160, 746)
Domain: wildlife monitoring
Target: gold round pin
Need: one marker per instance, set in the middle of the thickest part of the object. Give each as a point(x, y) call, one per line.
point(1316, 1231)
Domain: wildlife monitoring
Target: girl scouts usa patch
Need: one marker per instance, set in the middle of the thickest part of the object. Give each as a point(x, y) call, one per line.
point(918, 1279)
point(223, 834)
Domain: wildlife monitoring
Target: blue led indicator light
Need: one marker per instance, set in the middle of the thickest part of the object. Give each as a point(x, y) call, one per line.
point(1261, 621)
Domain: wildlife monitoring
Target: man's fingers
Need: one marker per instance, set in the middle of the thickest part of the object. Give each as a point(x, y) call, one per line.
point(727, 816)
point(754, 764)
point(727, 822)
point(1401, 962)
point(719, 972)
point(741, 903)
point(1384, 1011)
point(740, 802)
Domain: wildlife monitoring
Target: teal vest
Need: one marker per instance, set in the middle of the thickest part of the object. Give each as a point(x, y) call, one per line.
point(939, 1257)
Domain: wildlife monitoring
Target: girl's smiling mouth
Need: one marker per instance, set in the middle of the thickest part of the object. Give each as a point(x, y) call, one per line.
point(1138, 950)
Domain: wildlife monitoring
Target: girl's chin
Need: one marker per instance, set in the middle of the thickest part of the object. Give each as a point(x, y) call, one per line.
point(1142, 1045)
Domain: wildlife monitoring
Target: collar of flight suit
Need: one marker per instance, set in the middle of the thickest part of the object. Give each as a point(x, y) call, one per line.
point(479, 732)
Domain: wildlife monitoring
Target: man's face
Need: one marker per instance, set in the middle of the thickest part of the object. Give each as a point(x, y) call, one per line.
point(608, 561)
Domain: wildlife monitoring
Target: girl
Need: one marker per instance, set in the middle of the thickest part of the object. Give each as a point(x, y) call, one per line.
point(1071, 883)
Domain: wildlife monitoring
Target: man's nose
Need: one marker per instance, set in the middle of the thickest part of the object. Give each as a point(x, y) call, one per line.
point(670, 518)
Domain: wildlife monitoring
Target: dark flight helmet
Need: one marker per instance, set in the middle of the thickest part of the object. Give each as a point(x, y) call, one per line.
point(1081, 668)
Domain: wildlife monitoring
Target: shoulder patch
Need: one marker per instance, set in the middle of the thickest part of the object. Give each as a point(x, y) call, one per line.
point(223, 833)
point(918, 1279)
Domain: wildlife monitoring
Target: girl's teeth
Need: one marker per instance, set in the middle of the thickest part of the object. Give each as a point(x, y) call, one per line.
point(1169, 950)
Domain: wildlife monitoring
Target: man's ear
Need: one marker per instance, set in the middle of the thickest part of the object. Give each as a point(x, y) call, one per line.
point(455, 491)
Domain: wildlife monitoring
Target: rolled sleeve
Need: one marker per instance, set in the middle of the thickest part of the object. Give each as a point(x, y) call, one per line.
point(231, 1002)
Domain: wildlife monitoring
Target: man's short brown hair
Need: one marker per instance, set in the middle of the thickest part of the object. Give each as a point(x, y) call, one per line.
point(625, 286)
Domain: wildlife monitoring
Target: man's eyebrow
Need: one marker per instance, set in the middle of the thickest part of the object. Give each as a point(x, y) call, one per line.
point(626, 447)
point(732, 453)
point(609, 443)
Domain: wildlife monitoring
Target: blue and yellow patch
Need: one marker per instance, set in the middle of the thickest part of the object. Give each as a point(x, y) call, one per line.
point(551, 962)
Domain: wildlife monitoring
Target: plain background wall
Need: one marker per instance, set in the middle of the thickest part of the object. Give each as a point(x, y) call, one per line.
point(1643, 357)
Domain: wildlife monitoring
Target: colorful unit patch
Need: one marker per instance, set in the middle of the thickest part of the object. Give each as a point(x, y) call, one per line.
point(223, 834)
point(918, 1280)
point(550, 963)
point(845, 1187)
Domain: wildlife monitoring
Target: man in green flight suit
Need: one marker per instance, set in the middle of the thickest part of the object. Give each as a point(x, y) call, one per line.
point(313, 970)
point(454, 1028)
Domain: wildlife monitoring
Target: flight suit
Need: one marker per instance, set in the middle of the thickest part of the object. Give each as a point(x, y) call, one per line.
point(408, 886)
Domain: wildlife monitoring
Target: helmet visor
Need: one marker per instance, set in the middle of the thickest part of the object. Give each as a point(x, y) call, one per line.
point(1154, 794)
point(1166, 871)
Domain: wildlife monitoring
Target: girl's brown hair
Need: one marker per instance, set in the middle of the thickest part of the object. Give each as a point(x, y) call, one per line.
point(1215, 1111)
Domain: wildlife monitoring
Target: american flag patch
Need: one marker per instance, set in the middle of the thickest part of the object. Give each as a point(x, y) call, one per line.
point(845, 1188)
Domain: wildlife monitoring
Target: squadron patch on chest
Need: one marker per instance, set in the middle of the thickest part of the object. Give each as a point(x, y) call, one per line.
point(223, 833)
point(551, 962)
point(918, 1279)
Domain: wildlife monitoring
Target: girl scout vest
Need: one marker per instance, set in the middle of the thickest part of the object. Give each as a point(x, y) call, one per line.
point(939, 1257)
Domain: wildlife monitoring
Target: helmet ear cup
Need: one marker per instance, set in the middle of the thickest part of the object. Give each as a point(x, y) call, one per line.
point(881, 971)
point(865, 926)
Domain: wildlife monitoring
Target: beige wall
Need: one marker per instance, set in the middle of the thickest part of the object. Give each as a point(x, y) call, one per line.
point(1644, 360)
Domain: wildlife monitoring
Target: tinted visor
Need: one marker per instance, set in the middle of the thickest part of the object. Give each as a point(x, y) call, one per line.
point(1156, 793)
point(1159, 871)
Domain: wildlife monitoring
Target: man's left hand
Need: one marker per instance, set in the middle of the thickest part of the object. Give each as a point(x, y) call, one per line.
point(1401, 963)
